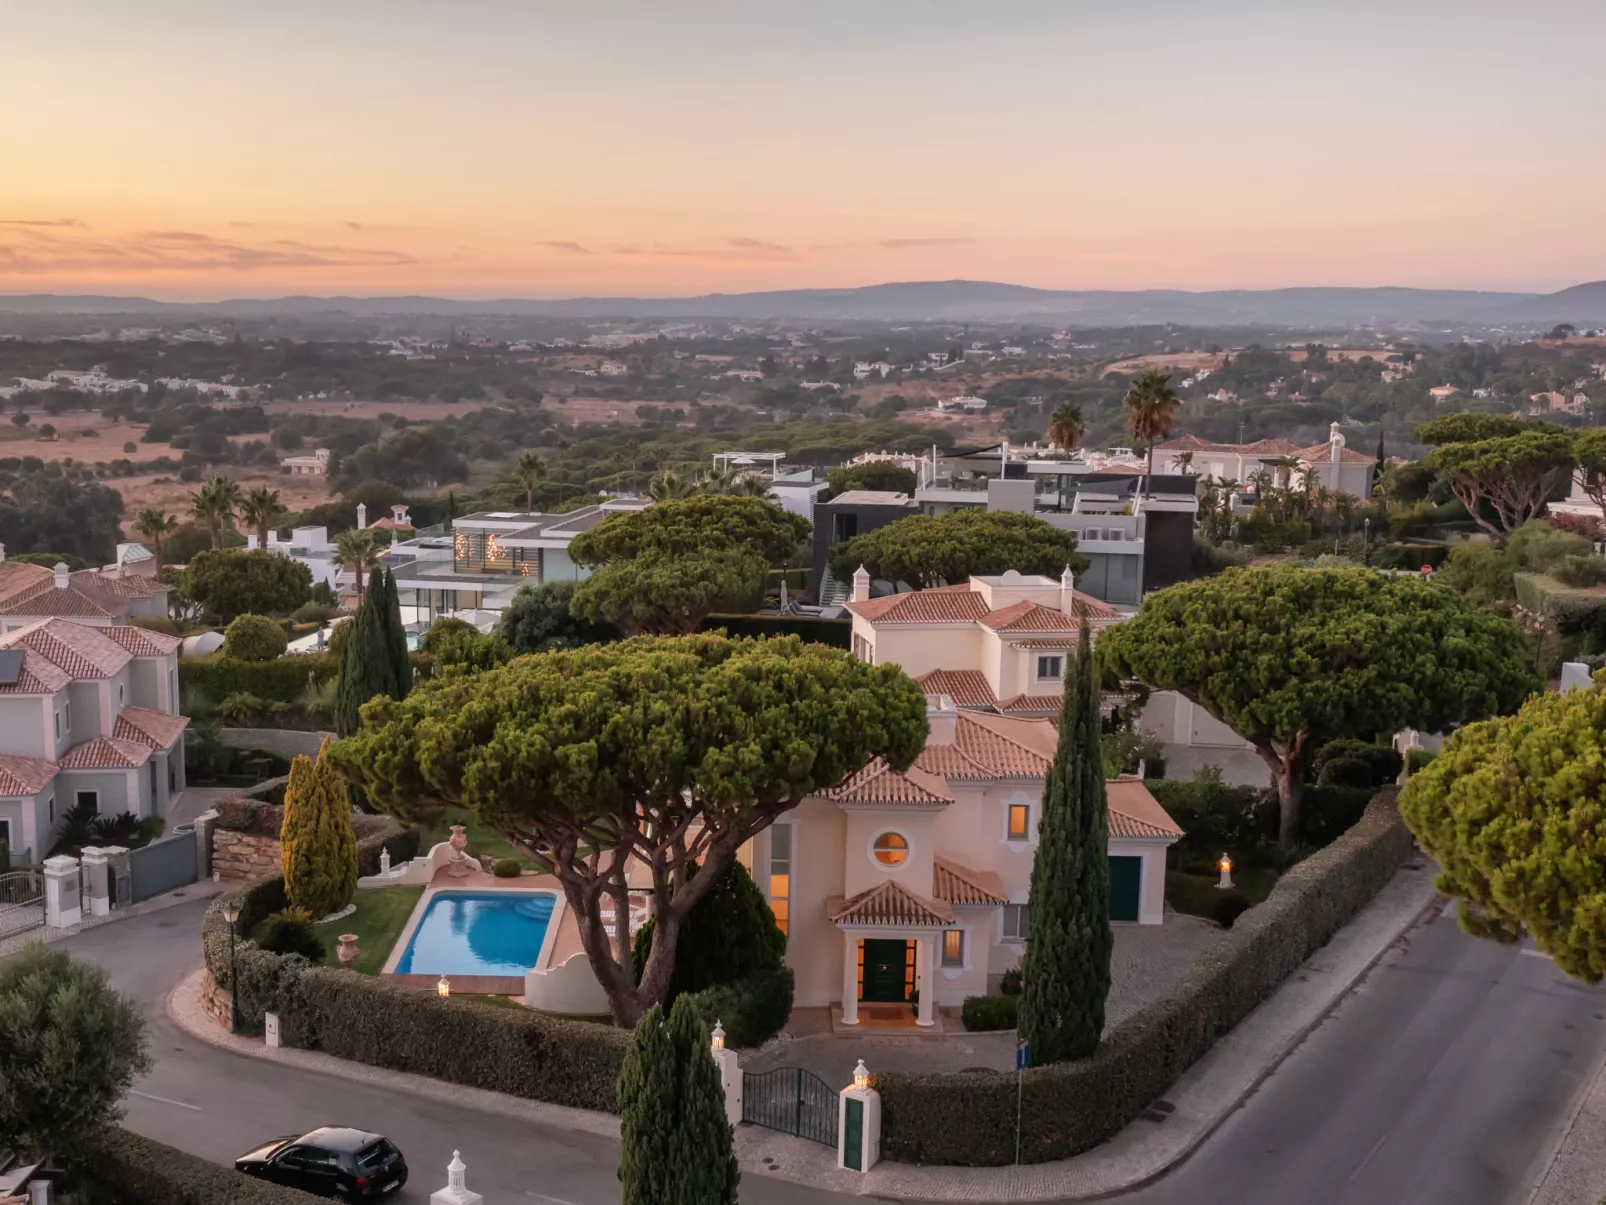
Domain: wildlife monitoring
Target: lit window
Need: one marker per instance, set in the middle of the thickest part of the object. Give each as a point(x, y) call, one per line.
point(953, 948)
point(1051, 667)
point(890, 849)
point(1020, 818)
point(1014, 922)
point(781, 874)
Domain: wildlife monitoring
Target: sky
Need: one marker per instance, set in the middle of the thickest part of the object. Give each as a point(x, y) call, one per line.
point(192, 149)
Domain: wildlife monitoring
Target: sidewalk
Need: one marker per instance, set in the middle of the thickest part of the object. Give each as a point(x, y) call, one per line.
point(1576, 1171)
point(1203, 1098)
point(201, 890)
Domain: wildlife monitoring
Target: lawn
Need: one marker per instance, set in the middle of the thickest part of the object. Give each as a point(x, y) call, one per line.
point(381, 913)
point(1198, 895)
point(481, 840)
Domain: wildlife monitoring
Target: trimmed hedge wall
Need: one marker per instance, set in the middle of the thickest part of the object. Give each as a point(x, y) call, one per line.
point(119, 1167)
point(280, 681)
point(371, 1020)
point(838, 633)
point(1565, 608)
point(968, 1118)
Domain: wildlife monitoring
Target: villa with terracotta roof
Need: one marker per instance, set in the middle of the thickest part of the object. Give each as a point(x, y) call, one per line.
point(910, 886)
point(88, 717)
point(29, 593)
point(1337, 467)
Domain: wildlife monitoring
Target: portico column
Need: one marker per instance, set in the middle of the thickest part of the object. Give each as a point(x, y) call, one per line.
point(850, 979)
point(925, 959)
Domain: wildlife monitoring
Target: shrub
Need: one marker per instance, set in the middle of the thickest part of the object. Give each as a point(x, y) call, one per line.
point(281, 681)
point(1383, 761)
point(1228, 909)
point(118, 1167)
point(1215, 816)
point(154, 623)
point(1580, 571)
point(1412, 556)
point(838, 633)
point(730, 935)
point(1569, 611)
point(983, 1013)
point(507, 868)
point(318, 846)
point(1009, 982)
point(1418, 759)
point(752, 1010)
point(290, 932)
point(968, 1118)
point(1345, 772)
point(1328, 812)
point(313, 612)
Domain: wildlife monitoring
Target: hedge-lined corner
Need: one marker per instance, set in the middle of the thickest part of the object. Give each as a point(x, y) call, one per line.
point(838, 633)
point(983, 1014)
point(374, 1021)
point(968, 1118)
point(118, 1167)
point(284, 680)
point(1566, 608)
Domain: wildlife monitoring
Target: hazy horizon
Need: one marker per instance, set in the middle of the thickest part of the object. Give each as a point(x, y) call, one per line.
point(492, 149)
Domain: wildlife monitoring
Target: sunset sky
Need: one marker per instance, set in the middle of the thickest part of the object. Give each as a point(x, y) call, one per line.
point(500, 148)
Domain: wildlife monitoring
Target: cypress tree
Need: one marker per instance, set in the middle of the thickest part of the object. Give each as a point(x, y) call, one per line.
point(1065, 977)
point(396, 641)
point(675, 1143)
point(367, 667)
point(317, 845)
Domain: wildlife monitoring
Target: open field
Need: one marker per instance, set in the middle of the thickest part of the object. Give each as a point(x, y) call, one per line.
point(1187, 361)
point(407, 407)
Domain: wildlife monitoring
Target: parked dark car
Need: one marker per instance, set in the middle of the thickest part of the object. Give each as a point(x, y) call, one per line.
point(334, 1162)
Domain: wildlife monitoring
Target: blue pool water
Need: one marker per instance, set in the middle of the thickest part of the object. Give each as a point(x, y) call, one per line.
point(478, 933)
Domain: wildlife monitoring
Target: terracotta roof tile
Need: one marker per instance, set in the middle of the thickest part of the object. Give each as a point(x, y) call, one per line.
point(46, 600)
point(1133, 812)
point(1035, 617)
point(37, 677)
point(958, 884)
point(17, 577)
point(132, 586)
point(105, 753)
point(943, 605)
point(154, 729)
point(80, 650)
point(24, 775)
point(987, 747)
point(142, 642)
point(889, 904)
point(966, 687)
point(1261, 447)
point(1322, 453)
point(880, 783)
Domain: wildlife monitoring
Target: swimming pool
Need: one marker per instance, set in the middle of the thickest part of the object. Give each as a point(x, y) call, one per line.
point(478, 933)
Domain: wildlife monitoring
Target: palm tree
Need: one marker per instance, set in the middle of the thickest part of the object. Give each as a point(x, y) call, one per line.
point(357, 552)
point(1183, 461)
point(563, 449)
point(1065, 427)
point(1260, 482)
point(1151, 411)
point(530, 470)
point(261, 510)
point(155, 525)
point(717, 481)
point(632, 452)
point(214, 504)
point(750, 485)
point(668, 484)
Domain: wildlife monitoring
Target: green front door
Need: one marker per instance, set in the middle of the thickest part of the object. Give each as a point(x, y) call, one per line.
point(885, 972)
point(853, 1148)
point(1126, 883)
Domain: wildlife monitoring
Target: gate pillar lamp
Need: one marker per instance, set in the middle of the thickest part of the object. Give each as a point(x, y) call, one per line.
point(443, 989)
point(730, 1074)
point(858, 1123)
point(1225, 866)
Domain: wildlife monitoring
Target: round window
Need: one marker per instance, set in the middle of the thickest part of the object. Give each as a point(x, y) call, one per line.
point(890, 849)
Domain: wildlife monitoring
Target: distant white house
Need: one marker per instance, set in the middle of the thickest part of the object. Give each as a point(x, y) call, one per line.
point(316, 465)
point(962, 403)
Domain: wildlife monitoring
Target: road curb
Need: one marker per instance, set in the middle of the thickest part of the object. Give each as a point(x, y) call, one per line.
point(1553, 1156)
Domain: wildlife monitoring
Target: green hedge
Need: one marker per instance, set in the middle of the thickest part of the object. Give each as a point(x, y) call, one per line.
point(752, 1010)
point(968, 1118)
point(1566, 609)
point(119, 1167)
point(985, 1013)
point(378, 1022)
point(836, 632)
point(281, 681)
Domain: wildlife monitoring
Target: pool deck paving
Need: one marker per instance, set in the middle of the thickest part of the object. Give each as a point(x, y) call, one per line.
point(1202, 1099)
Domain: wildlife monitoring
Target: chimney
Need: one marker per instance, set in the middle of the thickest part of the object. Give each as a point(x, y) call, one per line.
point(1335, 439)
point(362, 516)
point(861, 584)
point(61, 575)
point(399, 513)
point(942, 717)
point(2, 553)
point(1068, 592)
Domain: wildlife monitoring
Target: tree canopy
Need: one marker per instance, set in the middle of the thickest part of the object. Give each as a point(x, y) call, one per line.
point(1514, 812)
point(1471, 427)
point(539, 620)
point(1291, 658)
point(700, 523)
point(654, 751)
point(1506, 481)
point(41, 513)
point(231, 581)
point(882, 475)
point(933, 550)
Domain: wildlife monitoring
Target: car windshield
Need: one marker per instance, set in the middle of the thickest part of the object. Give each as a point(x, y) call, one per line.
point(374, 1156)
point(266, 1149)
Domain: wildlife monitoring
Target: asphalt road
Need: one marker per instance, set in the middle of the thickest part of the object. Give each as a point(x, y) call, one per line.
point(1441, 1079)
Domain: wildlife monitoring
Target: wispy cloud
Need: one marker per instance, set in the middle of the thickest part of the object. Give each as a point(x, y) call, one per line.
point(912, 244)
point(66, 249)
point(561, 246)
point(44, 222)
point(753, 244)
point(735, 249)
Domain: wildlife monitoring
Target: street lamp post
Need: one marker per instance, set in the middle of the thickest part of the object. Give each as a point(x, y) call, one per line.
point(232, 914)
point(1366, 524)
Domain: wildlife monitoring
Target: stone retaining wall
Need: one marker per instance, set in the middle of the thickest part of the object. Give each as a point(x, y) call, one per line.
point(243, 856)
point(280, 740)
point(215, 1001)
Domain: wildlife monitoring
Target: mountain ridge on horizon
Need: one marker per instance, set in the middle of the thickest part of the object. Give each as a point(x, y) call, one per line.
point(933, 301)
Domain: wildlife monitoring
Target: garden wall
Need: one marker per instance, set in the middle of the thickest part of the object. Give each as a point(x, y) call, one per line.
point(968, 1118)
point(245, 837)
point(119, 1167)
point(280, 740)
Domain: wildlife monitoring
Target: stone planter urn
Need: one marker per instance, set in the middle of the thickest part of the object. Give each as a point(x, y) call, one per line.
point(347, 953)
point(459, 839)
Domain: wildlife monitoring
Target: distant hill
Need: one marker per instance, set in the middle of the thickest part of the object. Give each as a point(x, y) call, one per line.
point(939, 301)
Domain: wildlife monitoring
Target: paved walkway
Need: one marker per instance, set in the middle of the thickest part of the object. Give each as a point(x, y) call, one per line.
point(1148, 959)
point(1203, 1098)
point(184, 895)
point(1576, 1171)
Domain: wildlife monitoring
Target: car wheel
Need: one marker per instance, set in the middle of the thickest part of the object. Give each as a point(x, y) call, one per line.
point(340, 1196)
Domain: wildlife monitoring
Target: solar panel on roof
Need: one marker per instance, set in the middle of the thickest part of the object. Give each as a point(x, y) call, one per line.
point(10, 666)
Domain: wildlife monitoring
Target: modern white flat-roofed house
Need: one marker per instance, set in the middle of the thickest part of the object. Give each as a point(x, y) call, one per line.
point(88, 716)
point(914, 886)
point(487, 556)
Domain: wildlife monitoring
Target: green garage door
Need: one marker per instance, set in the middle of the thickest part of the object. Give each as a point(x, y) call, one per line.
point(1126, 883)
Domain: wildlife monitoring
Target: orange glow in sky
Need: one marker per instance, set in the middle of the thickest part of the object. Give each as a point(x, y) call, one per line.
point(497, 148)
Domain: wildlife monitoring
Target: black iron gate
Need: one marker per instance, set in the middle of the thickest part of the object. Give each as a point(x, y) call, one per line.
point(793, 1101)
